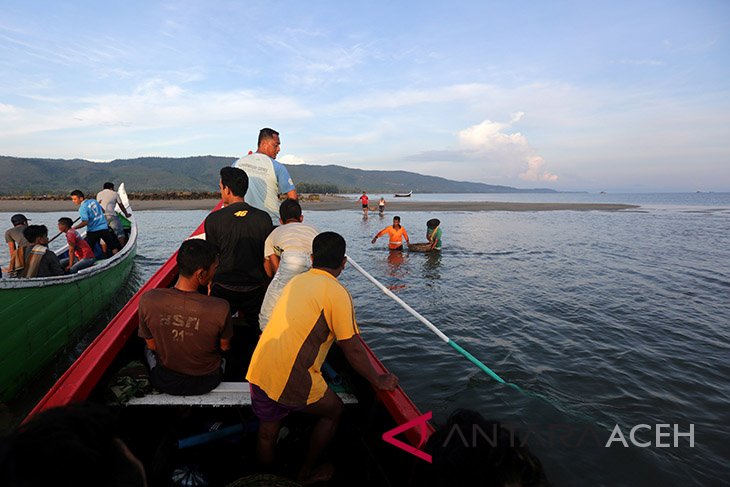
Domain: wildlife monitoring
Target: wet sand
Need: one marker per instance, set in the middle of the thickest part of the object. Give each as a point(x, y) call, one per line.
point(327, 203)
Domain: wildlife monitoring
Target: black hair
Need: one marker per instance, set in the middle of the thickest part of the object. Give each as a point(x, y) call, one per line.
point(469, 450)
point(32, 232)
point(108, 185)
point(235, 179)
point(396, 218)
point(266, 133)
point(433, 223)
point(73, 445)
point(77, 192)
point(195, 254)
point(290, 210)
point(66, 221)
point(328, 250)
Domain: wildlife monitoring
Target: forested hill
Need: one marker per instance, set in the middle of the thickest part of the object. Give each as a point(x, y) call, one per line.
point(34, 176)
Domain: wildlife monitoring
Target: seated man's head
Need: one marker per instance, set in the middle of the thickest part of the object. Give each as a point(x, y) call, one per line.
point(64, 224)
point(290, 211)
point(77, 196)
point(328, 252)
point(233, 184)
point(36, 234)
point(197, 259)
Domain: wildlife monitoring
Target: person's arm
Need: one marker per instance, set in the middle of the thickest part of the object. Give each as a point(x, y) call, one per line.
point(379, 234)
point(81, 224)
point(292, 195)
point(11, 249)
point(71, 249)
point(271, 264)
point(434, 239)
point(357, 357)
point(121, 205)
point(405, 234)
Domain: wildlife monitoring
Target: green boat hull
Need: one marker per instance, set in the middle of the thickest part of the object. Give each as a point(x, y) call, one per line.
point(38, 322)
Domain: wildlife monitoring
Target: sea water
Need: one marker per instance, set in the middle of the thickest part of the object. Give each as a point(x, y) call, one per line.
point(606, 319)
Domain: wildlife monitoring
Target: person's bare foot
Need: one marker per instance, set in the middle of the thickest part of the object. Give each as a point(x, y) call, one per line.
point(322, 473)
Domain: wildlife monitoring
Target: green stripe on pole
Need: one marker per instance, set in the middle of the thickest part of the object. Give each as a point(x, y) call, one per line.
point(476, 361)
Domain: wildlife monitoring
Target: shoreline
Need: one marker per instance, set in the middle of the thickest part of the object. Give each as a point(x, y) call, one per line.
point(328, 203)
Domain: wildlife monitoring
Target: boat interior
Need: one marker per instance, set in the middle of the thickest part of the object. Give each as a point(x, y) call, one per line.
point(210, 439)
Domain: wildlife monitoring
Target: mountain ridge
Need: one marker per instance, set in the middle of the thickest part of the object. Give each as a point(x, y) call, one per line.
point(31, 175)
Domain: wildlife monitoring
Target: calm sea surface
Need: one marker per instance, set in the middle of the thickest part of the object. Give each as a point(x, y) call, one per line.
point(605, 318)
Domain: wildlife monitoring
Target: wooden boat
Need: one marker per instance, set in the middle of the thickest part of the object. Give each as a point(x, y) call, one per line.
point(42, 315)
point(160, 429)
point(403, 195)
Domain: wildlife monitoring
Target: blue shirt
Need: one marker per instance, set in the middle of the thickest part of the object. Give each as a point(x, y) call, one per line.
point(93, 215)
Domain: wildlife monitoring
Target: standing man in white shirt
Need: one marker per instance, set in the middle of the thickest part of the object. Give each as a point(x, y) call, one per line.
point(267, 177)
point(108, 199)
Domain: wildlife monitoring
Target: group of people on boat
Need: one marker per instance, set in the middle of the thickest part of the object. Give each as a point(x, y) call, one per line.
point(273, 307)
point(252, 300)
point(30, 256)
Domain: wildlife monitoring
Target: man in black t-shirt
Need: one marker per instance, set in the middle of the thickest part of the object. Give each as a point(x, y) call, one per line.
point(238, 231)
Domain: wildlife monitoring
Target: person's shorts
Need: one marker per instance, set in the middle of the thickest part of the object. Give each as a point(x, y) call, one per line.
point(115, 224)
point(364, 206)
point(266, 409)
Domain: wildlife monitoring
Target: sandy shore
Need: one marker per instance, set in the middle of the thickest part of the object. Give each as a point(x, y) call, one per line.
point(328, 203)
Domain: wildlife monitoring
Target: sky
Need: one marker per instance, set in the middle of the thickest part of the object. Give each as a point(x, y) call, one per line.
point(570, 95)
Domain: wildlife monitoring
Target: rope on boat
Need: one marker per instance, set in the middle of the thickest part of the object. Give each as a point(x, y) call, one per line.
point(431, 326)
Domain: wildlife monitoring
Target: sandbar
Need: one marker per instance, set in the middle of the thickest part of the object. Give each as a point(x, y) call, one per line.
point(326, 203)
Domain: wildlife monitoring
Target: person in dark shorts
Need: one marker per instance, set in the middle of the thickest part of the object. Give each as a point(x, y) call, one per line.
point(92, 217)
point(285, 372)
point(186, 332)
point(364, 200)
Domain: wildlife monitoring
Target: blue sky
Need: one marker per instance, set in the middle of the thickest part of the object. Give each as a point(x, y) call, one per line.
point(571, 95)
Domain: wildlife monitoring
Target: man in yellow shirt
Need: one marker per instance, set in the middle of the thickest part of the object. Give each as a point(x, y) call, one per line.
point(396, 233)
point(285, 374)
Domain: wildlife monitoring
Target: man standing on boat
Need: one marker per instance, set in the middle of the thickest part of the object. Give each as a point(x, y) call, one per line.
point(396, 234)
point(238, 231)
point(109, 199)
point(287, 253)
point(185, 331)
point(16, 243)
point(285, 372)
point(268, 178)
point(92, 217)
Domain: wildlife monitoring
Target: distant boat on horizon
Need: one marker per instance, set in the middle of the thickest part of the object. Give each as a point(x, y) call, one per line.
point(403, 195)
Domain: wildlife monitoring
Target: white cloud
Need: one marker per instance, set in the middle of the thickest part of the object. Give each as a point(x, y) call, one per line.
point(536, 172)
point(291, 159)
point(492, 141)
point(152, 104)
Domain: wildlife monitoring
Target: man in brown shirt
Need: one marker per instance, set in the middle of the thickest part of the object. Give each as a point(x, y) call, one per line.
point(186, 332)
